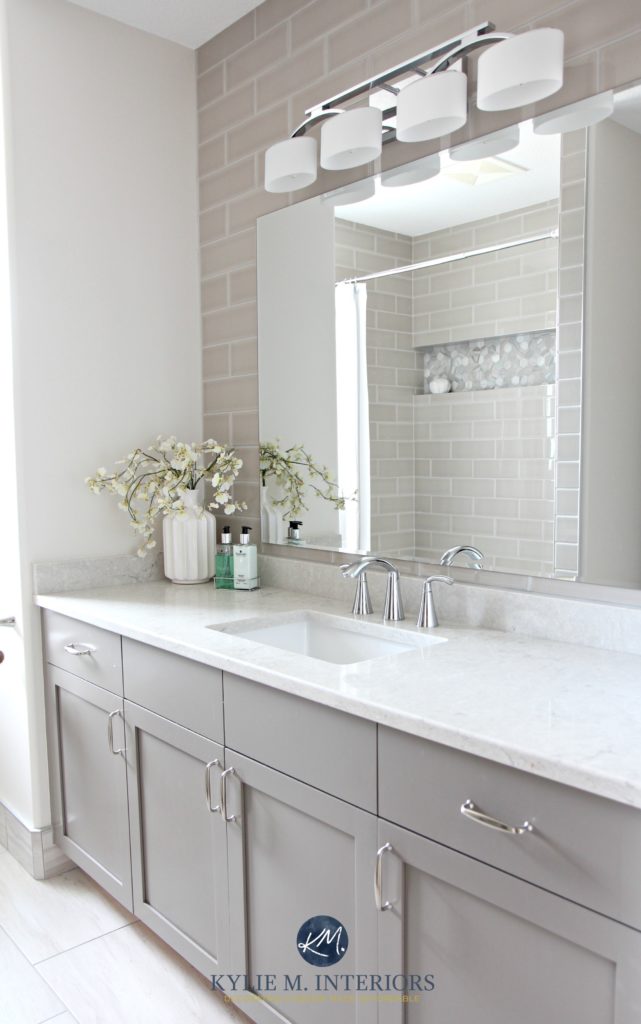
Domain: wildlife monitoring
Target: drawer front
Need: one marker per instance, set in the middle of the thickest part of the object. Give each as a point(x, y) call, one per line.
point(184, 691)
point(86, 651)
point(581, 846)
point(328, 749)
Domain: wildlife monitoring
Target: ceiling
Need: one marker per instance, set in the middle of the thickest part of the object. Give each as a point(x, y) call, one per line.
point(449, 199)
point(188, 22)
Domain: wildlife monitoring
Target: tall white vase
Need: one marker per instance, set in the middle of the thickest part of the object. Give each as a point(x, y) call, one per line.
point(189, 543)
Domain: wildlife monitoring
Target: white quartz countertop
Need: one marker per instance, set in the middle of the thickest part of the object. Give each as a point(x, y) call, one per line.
point(568, 713)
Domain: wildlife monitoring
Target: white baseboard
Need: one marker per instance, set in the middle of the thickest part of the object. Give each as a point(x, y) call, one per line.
point(34, 849)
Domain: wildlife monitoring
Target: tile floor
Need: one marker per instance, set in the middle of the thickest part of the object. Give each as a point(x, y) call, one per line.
point(69, 954)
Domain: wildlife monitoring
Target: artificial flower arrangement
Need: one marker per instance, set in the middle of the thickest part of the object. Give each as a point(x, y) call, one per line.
point(153, 481)
point(286, 466)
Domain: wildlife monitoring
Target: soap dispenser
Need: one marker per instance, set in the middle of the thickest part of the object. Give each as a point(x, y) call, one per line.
point(245, 562)
point(225, 561)
point(293, 533)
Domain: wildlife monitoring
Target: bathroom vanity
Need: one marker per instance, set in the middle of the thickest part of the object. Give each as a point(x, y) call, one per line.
point(226, 792)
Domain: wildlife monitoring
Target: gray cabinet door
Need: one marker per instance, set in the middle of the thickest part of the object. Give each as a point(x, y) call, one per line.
point(88, 777)
point(296, 853)
point(179, 860)
point(500, 950)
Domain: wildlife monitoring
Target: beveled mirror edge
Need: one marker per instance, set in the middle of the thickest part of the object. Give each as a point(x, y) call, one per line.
point(490, 579)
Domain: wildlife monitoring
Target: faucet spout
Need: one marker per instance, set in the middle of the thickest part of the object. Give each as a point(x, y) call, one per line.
point(393, 606)
point(473, 555)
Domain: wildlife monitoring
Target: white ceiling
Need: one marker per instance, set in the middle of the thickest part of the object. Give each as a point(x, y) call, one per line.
point(446, 200)
point(188, 22)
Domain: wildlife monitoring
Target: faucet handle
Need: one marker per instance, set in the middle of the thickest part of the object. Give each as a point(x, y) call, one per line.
point(362, 601)
point(427, 617)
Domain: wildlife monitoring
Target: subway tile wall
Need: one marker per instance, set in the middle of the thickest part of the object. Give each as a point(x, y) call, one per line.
point(485, 476)
point(507, 292)
point(394, 374)
point(256, 79)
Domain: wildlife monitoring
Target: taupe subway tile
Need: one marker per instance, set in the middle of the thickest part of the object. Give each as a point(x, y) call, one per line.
point(236, 322)
point(244, 357)
point(214, 293)
point(218, 257)
point(210, 85)
point(216, 362)
point(211, 156)
point(258, 133)
point(248, 63)
point(294, 73)
point(222, 45)
point(233, 108)
point(320, 17)
point(231, 395)
point(379, 24)
point(232, 180)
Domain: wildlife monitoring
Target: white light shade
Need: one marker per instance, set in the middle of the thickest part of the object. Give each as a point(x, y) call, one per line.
point(433, 106)
point(410, 174)
point(351, 138)
point(291, 164)
point(576, 115)
point(357, 192)
point(487, 145)
point(520, 70)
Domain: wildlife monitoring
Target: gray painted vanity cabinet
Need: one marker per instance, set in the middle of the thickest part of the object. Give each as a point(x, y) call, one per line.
point(85, 732)
point(250, 810)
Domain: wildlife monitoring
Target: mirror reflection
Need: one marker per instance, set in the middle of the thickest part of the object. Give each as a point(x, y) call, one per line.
point(421, 337)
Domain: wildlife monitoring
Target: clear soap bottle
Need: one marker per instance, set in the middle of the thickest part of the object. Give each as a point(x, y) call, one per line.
point(225, 561)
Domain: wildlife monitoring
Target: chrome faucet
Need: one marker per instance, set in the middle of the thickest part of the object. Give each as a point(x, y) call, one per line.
point(427, 617)
point(475, 557)
point(393, 607)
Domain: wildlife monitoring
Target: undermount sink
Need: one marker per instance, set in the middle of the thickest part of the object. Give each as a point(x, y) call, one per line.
point(329, 637)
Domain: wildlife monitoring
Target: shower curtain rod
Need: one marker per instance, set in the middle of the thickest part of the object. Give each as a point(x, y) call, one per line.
point(554, 233)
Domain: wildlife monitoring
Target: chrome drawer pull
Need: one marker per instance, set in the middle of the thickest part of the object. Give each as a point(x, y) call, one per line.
point(208, 767)
point(110, 733)
point(9, 621)
point(471, 811)
point(223, 795)
point(79, 648)
point(378, 879)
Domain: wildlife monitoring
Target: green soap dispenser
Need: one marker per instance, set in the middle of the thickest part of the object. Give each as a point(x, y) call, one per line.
point(225, 561)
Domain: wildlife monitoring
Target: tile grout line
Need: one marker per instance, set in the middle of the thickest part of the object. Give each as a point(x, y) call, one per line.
point(86, 942)
point(43, 980)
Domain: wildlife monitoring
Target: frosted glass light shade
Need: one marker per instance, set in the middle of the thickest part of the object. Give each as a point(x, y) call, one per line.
point(410, 174)
point(291, 164)
point(433, 106)
point(487, 145)
point(351, 138)
point(520, 70)
point(577, 115)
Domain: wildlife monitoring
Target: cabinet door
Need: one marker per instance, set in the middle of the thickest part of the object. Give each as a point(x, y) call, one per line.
point(295, 854)
point(179, 860)
point(86, 743)
point(500, 950)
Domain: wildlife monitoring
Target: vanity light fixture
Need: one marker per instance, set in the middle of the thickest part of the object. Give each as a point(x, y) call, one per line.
point(411, 174)
point(357, 192)
point(577, 115)
point(428, 99)
point(488, 145)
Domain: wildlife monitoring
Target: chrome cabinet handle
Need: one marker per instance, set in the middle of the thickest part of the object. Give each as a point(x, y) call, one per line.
point(208, 768)
point(471, 811)
point(223, 795)
point(110, 733)
point(9, 621)
point(79, 648)
point(378, 879)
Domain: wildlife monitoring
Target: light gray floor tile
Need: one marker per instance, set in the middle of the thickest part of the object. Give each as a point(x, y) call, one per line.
point(130, 976)
point(24, 997)
point(46, 917)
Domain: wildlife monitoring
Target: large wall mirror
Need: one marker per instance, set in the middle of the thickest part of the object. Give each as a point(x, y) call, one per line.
point(459, 343)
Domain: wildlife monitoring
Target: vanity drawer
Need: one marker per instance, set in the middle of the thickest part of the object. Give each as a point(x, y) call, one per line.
point(328, 749)
point(86, 651)
point(184, 691)
point(584, 847)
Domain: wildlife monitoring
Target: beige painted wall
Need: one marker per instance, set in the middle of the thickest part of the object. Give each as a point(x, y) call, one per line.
point(255, 81)
point(101, 141)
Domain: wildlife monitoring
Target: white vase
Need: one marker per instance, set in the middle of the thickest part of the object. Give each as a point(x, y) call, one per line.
point(189, 543)
point(269, 518)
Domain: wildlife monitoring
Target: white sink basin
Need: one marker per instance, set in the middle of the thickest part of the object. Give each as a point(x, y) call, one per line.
point(329, 637)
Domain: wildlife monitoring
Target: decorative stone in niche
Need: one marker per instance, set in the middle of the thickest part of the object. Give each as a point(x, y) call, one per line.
point(504, 362)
